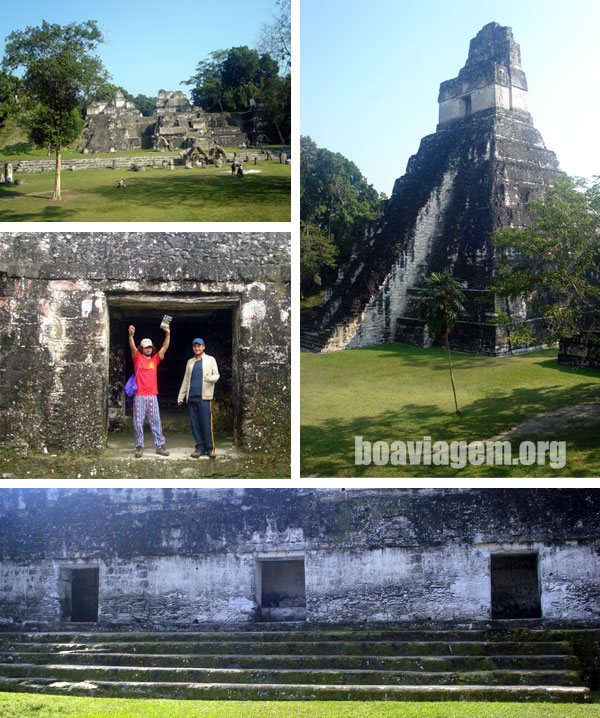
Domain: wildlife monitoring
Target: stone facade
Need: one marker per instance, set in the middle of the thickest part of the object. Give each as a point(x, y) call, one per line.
point(474, 175)
point(66, 300)
point(177, 558)
point(175, 124)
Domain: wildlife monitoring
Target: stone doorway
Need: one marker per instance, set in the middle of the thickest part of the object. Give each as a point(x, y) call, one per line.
point(211, 318)
point(79, 591)
point(281, 589)
point(515, 586)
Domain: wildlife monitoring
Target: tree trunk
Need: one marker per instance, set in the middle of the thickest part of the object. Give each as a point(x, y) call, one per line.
point(451, 374)
point(56, 194)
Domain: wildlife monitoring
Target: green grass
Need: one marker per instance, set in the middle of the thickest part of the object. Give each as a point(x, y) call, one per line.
point(157, 195)
point(399, 393)
point(30, 706)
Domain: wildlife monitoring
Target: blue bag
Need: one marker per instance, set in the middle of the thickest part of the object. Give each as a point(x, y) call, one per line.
point(131, 386)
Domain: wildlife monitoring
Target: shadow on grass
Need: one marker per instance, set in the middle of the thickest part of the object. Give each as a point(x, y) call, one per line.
point(215, 193)
point(328, 447)
point(214, 189)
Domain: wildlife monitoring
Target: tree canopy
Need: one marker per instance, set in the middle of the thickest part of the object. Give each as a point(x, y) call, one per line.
point(59, 74)
point(555, 260)
point(275, 36)
point(336, 199)
point(228, 80)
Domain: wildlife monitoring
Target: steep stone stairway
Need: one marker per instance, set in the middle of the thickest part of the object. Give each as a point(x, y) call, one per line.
point(300, 664)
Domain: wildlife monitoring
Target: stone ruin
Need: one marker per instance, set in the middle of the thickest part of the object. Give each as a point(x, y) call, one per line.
point(66, 300)
point(475, 174)
point(174, 558)
point(175, 124)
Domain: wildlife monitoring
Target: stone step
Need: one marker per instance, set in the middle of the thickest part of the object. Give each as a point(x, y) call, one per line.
point(265, 691)
point(297, 632)
point(341, 648)
point(417, 663)
point(295, 676)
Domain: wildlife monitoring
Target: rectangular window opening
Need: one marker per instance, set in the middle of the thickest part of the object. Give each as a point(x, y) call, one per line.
point(282, 590)
point(79, 592)
point(515, 586)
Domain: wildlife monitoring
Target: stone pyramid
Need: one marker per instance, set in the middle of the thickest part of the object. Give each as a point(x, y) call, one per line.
point(475, 174)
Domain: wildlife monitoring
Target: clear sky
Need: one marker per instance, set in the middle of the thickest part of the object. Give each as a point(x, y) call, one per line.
point(151, 44)
point(371, 71)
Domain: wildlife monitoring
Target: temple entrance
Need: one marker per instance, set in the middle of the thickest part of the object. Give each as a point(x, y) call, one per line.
point(79, 589)
point(515, 586)
point(282, 590)
point(209, 318)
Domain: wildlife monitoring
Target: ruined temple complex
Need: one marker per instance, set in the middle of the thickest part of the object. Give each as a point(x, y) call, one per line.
point(475, 174)
point(397, 594)
point(117, 124)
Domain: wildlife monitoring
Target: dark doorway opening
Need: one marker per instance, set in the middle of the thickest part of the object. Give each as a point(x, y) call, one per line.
point(466, 104)
point(282, 590)
point(79, 594)
point(515, 586)
point(212, 320)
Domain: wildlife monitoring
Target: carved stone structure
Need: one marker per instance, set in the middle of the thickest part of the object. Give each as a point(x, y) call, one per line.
point(66, 300)
point(475, 174)
point(175, 124)
point(176, 558)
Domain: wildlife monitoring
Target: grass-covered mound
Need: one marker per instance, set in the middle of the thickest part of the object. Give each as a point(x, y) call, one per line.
point(156, 195)
point(399, 393)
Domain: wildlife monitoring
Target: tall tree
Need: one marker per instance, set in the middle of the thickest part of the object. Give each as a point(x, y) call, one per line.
point(555, 260)
point(59, 74)
point(275, 36)
point(335, 197)
point(317, 253)
point(442, 307)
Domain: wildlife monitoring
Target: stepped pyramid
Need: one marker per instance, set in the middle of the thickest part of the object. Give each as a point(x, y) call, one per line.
point(485, 161)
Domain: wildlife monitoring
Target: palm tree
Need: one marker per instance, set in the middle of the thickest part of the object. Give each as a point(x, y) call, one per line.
point(443, 305)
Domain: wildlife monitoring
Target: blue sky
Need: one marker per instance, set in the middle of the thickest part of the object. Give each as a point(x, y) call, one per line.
point(150, 45)
point(371, 70)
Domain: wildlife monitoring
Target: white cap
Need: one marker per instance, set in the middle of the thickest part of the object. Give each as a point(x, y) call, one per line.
point(146, 343)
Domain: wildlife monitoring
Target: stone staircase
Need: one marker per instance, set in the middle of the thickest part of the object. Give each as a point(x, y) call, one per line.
point(297, 663)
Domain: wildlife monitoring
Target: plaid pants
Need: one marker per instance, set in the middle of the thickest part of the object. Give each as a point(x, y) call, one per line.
point(147, 407)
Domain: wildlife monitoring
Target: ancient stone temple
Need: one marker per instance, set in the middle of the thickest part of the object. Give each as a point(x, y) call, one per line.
point(377, 594)
point(475, 174)
point(118, 125)
point(67, 299)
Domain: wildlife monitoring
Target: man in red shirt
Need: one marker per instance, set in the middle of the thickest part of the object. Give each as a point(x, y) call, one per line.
point(145, 401)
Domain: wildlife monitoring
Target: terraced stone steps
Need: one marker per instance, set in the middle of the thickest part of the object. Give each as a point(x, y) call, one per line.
point(302, 664)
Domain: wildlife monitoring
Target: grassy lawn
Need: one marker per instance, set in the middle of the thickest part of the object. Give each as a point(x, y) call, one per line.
point(399, 393)
point(157, 195)
point(16, 705)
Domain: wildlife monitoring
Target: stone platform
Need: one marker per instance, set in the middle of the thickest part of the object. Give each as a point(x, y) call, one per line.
point(293, 662)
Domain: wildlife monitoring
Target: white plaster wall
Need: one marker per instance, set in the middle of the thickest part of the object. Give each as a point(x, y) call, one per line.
point(179, 589)
point(570, 582)
point(519, 99)
point(446, 583)
point(483, 98)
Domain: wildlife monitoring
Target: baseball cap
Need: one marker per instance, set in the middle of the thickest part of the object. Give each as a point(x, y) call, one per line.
point(198, 341)
point(146, 343)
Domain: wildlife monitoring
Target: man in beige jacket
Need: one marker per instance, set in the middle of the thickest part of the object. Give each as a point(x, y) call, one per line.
point(197, 388)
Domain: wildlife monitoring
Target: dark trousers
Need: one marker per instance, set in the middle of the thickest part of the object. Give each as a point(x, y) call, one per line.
point(202, 427)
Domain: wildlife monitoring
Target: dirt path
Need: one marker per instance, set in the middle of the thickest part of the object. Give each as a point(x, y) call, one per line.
point(554, 423)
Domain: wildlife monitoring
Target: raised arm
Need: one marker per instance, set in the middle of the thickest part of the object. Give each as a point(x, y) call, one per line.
point(132, 346)
point(163, 350)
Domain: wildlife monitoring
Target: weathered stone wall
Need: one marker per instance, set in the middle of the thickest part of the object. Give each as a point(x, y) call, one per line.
point(176, 557)
point(57, 294)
